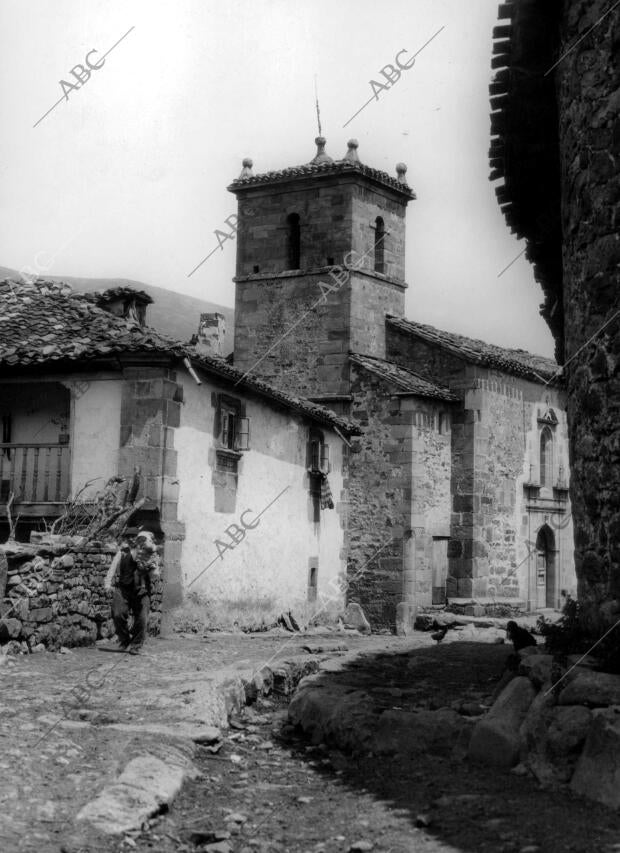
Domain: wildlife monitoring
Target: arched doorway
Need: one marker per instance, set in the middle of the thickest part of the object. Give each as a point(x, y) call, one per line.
point(547, 593)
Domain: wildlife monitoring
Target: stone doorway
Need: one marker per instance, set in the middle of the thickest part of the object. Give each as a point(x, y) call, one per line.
point(546, 574)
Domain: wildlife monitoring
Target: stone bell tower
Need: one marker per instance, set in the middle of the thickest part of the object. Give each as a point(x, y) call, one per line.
point(320, 262)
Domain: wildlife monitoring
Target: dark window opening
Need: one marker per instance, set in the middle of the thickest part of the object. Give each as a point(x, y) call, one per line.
point(234, 430)
point(255, 268)
point(6, 434)
point(330, 262)
point(313, 582)
point(379, 245)
point(318, 461)
point(546, 457)
point(315, 496)
point(294, 241)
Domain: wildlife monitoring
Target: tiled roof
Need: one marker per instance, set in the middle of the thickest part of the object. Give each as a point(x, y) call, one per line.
point(515, 361)
point(524, 153)
point(317, 169)
point(45, 323)
point(408, 381)
point(101, 297)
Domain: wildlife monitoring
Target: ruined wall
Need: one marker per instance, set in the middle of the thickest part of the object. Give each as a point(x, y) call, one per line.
point(588, 88)
point(58, 599)
point(257, 571)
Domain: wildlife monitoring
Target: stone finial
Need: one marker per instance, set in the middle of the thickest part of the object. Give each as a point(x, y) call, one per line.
point(247, 172)
point(351, 154)
point(401, 171)
point(321, 156)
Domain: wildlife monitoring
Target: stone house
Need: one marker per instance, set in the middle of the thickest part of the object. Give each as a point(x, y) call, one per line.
point(458, 484)
point(234, 473)
point(555, 128)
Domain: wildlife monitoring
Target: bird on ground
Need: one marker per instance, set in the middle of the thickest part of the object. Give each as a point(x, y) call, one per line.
point(439, 635)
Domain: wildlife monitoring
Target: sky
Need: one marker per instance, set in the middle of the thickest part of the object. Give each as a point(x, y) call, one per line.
point(126, 177)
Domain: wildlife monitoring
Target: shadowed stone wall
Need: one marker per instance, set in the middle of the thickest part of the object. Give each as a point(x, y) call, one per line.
point(588, 86)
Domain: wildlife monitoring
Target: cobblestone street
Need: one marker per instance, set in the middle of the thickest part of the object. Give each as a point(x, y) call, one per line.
point(266, 787)
point(57, 710)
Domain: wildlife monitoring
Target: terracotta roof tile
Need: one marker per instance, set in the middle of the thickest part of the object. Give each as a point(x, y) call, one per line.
point(45, 323)
point(317, 169)
point(515, 361)
point(406, 380)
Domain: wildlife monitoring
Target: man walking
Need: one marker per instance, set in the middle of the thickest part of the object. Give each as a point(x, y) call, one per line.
point(131, 578)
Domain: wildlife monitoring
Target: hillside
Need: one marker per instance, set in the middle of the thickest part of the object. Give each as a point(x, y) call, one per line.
point(174, 314)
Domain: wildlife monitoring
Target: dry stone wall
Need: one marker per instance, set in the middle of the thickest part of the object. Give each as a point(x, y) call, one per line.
point(55, 597)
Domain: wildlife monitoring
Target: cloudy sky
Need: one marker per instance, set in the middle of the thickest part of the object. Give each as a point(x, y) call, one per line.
point(127, 176)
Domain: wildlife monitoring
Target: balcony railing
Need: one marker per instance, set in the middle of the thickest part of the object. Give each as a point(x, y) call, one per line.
point(35, 473)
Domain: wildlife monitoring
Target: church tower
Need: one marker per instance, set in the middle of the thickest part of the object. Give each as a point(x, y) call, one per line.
point(320, 262)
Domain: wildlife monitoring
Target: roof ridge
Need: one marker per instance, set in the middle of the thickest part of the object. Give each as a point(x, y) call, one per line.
point(399, 365)
point(386, 369)
point(508, 351)
point(314, 168)
point(51, 325)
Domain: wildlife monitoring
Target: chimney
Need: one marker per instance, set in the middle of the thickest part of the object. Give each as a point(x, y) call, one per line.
point(124, 302)
point(211, 333)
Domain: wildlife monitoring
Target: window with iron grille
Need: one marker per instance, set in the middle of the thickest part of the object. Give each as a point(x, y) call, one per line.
point(234, 433)
point(318, 454)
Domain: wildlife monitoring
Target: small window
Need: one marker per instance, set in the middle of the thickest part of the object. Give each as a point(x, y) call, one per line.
point(314, 488)
point(294, 241)
point(226, 462)
point(379, 245)
point(234, 431)
point(444, 423)
point(229, 428)
point(313, 582)
point(318, 454)
point(546, 457)
point(6, 434)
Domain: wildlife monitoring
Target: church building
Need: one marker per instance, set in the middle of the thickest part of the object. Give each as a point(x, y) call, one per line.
point(457, 489)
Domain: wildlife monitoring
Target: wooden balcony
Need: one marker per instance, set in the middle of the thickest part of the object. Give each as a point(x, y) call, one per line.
point(38, 475)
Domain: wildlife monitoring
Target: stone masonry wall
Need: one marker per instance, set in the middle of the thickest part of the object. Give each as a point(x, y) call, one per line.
point(312, 359)
point(489, 554)
point(57, 599)
point(430, 496)
point(588, 87)
point(399, 477)
point(379, 492)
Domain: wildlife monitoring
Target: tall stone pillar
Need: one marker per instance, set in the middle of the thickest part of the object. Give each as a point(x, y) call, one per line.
point(150, 412)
